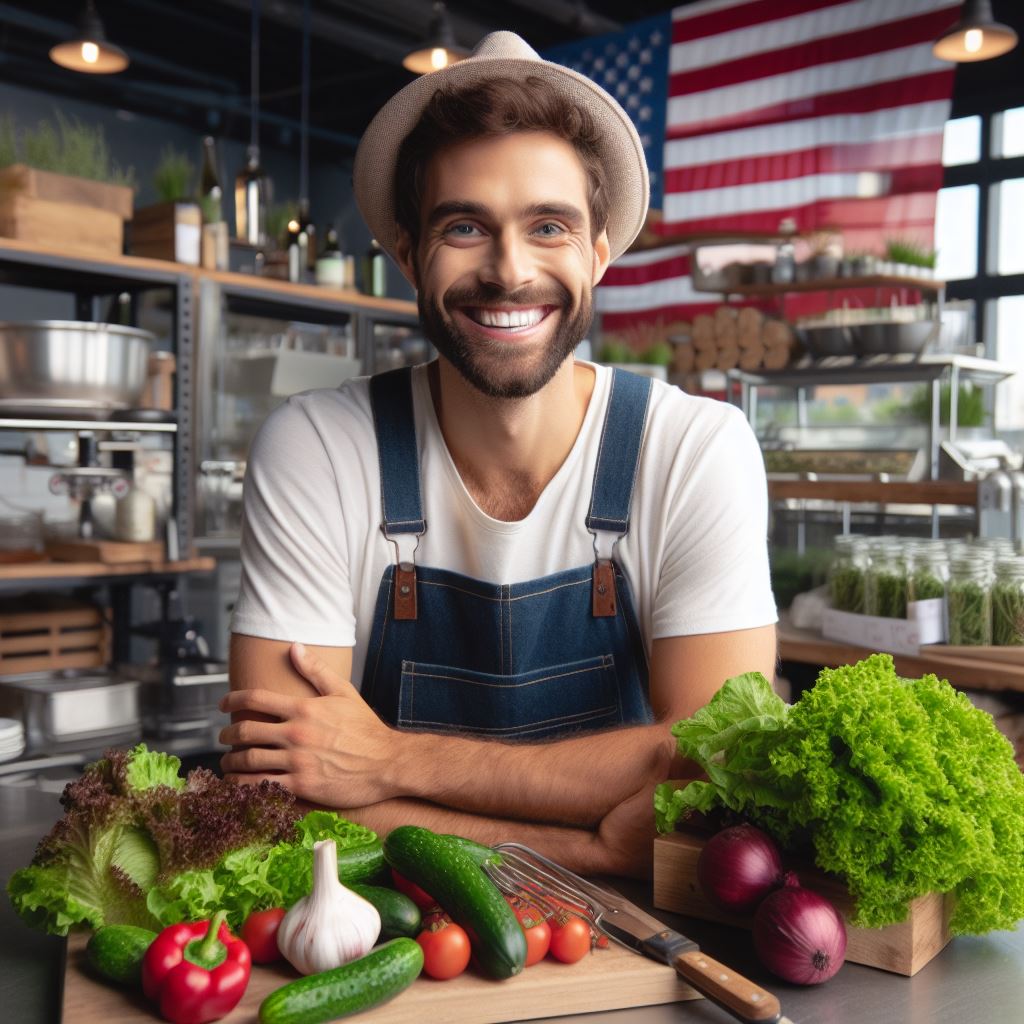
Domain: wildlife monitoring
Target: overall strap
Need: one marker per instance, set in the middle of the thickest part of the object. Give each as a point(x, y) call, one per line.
point(398, 459)
point(618, 459)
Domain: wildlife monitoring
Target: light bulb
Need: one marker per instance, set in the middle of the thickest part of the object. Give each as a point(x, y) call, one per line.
point(973, 40)
point(438, 58)
point(90, 53)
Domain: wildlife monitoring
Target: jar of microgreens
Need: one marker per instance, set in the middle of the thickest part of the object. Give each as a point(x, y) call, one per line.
point(927, 572)
point(885, 582)
point(1008, 603)
point(846, 573)
point(969, 600)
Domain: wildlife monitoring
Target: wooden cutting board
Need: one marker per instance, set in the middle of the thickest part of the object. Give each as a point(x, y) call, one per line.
point(607, 979)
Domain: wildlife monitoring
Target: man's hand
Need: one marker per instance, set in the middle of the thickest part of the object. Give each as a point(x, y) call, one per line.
point(331, 749)
point(626, 835)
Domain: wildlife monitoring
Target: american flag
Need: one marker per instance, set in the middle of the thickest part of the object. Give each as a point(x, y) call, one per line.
point(755, 111)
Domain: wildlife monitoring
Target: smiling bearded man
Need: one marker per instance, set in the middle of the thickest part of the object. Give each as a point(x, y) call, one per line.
point(516, 569)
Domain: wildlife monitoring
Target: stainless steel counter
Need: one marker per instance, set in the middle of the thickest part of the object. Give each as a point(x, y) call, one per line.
point(973, 981)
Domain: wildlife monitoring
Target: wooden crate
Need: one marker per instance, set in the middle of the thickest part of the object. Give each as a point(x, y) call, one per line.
point(168, 231)
point(902, 948)
point(62, 211)
point(51, 634)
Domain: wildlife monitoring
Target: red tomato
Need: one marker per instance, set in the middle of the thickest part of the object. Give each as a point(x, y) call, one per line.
point(570, 938)
point(536, 929)
point(259, 933)
point(446, 949)
point(422, 899)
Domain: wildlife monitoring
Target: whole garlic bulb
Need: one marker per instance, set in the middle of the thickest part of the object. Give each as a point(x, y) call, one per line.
point(332, 925)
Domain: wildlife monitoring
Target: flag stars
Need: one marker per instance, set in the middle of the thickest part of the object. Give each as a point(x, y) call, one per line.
point(633, 73)
point(645, 140)
point(644, 113)
point(611, 76)
point(610, 49)
point(645, 84)
point(622, 60)
point(655, 38)
point(599, 64)
point(633, 102)
point(634, 43)
point(646, 57)
point(621, 89)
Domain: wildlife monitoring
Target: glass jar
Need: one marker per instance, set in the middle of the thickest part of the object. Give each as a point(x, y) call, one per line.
point(846, 573)
point(1008, 603)
point(927, 572)
point(885, 582)
point(969, 600)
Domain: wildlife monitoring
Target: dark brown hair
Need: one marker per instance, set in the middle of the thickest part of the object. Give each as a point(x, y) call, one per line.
point(497, 106)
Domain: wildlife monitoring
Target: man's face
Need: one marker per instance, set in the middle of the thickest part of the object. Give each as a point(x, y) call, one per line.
point(505, 266)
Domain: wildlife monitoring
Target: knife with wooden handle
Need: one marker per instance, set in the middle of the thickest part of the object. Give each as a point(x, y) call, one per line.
point(725, 987)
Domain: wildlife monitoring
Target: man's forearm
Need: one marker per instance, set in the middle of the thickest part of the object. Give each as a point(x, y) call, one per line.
point(571, 782)
point(578, 849)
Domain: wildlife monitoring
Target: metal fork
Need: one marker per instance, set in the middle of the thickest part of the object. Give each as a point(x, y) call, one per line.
point(550, 887)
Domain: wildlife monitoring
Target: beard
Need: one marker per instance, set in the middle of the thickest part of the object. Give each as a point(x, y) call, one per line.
point(500, 370)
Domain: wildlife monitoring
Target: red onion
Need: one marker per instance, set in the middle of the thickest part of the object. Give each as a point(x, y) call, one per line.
point(738, 867)
point(799, 935)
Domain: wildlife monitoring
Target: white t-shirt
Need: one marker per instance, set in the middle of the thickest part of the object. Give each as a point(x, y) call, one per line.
point(313, 553)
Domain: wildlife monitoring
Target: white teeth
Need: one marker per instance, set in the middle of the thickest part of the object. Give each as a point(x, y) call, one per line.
point(503, 318)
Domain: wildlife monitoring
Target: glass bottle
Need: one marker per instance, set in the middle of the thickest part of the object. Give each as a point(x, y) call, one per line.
point(210, 192)
point(846, 573)
point(927, 572)
point(1008, 603)
point(885, 583)
point(330, 265)
point(969, 600)
point(252, 195)
point(374, 270)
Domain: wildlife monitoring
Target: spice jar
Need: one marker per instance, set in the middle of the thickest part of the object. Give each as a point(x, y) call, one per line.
point(885, 582)
point(846, 573)
point(927, 572)
point(969, 600)
point(1008, 603)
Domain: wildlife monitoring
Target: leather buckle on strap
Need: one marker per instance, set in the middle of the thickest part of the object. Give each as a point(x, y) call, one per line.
point(603, 602)
point(405, 590)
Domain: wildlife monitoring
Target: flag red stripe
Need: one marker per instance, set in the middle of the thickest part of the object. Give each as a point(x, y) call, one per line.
point(866, 42)
point(685, 30)
point(917, 152)
point(661, 270)
point(878, 96)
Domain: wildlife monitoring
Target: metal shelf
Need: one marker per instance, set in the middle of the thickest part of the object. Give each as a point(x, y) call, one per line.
point(127, 426)
point(826, 284)
point(840, 370)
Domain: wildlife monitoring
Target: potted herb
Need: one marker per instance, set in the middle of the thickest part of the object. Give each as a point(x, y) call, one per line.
point(60, 187)
point(910, 259)
point(170, 229)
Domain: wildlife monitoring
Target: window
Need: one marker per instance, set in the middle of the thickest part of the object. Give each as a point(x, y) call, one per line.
point(979, 235)
point(956, 233)
point(1007, 204)
point(1007, 136)
point(961, 141)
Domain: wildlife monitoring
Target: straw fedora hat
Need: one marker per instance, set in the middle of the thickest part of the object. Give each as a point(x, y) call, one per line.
point(507, 55)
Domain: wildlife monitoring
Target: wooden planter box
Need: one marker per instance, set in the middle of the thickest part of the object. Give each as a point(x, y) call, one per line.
point(902, 948)
point(58, 211)
point(47, 634)
point(168, 231)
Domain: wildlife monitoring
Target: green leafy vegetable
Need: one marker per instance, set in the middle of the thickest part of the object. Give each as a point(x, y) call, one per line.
point(899, 786)
point(138, 844)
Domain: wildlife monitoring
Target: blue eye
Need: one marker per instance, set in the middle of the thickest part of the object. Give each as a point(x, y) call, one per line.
point(461, 230)
point(550, 229)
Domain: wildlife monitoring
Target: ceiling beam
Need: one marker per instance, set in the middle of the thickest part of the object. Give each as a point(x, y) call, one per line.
point(414, 17)
point(376, 45)
point(573, 13)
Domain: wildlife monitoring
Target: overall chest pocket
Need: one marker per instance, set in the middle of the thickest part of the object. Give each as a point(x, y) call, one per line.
point(546, 702)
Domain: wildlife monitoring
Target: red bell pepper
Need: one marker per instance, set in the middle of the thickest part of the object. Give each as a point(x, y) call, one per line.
point(196, 972)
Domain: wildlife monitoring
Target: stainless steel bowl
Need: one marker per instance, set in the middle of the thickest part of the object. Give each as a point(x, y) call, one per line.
point(826, 339)
point(69, 364)
point(894, 337)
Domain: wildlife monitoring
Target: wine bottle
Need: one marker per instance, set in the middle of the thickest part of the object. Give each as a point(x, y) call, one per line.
point(210, 192)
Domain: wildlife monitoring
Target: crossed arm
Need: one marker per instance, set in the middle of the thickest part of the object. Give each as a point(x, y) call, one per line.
point(586, 800)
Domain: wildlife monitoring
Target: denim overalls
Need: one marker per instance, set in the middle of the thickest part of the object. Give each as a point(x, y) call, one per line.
point(531, 661)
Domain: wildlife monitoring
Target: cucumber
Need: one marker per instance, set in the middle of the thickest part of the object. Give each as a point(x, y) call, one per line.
point(115, 952)
point(453, 878)
point(480, 854)
point(361, 863)
point(398, 914)
point(352, 988)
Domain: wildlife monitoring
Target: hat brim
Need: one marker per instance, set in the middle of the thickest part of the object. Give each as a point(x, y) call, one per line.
point(620, 148)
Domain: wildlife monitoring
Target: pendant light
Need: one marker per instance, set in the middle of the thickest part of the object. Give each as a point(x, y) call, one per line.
point(439, 48)
point(976, 36)
point(252, 187)
point(90, 51)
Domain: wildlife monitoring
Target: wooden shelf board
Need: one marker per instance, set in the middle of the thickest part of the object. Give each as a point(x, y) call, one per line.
point(830, 284)
point(925, 492)
point(29, 571)
point(966, 672)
